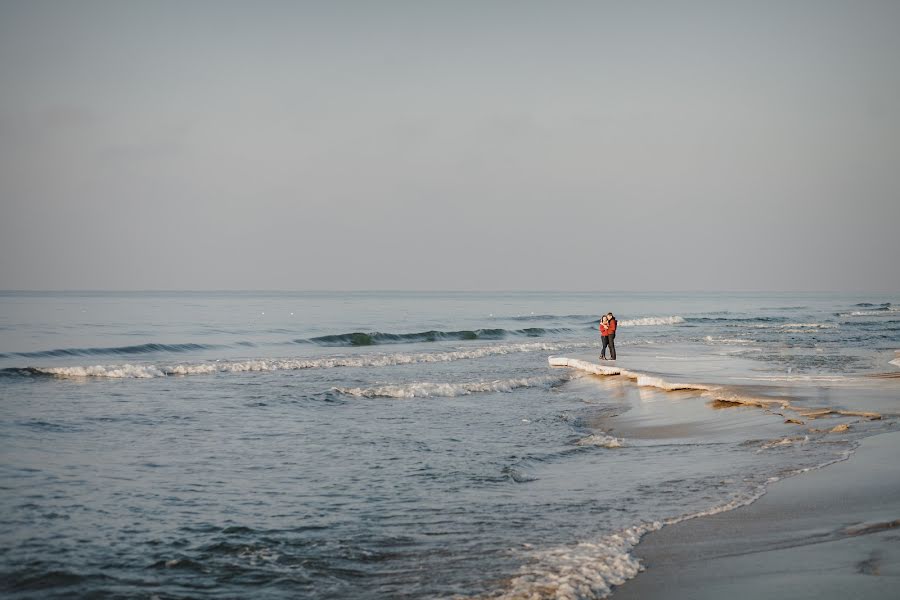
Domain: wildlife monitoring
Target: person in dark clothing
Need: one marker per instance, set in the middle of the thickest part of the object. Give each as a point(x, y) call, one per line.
point(604, 335)
point(612, 323)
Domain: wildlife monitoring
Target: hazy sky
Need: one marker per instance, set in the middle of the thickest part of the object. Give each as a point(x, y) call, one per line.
point(450, 145)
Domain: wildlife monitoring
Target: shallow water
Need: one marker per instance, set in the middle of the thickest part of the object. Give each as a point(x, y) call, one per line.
point(371, 445)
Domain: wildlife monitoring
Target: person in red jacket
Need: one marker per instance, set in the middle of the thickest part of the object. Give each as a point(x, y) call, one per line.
point(604, 335)
point(612, 323)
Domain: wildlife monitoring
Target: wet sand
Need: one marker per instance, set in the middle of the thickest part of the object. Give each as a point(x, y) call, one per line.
point(833, 533)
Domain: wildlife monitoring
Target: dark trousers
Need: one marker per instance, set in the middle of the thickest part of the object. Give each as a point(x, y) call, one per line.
point(609, 341)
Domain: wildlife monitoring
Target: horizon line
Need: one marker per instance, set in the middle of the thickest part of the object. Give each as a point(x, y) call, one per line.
point(439, 291)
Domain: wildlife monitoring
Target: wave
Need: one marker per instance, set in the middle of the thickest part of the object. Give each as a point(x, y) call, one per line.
point(288, 364)
point(642, 379)
point(449, 390)
point(359, 338)
point(895, 362)
point(869, 304)
point(113, 351)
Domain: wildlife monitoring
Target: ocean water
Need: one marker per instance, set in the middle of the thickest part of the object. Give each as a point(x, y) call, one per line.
point(406, 445)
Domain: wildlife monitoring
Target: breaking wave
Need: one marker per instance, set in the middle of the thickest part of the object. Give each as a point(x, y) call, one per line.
point(145, 371)
point(449, 390)
point(583, 570)
point(870, 310)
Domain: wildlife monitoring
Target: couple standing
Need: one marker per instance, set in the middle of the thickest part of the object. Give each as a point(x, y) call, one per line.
point(608, 325)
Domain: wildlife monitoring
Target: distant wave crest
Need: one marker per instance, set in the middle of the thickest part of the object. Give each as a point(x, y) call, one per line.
point(114, 351)
point(359, 338)
point(885, 310)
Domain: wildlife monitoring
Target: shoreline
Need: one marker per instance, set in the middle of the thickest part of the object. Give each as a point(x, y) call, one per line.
point(829, 533)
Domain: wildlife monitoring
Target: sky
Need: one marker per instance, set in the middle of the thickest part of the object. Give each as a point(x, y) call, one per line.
point(456, 145)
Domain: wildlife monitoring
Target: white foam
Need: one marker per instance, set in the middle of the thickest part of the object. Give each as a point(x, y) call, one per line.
point(600, 439)
point(449, 390)
point(291, 364)
point(582, 570)
point(649, 321)
point(896, 362)
point(113, 371)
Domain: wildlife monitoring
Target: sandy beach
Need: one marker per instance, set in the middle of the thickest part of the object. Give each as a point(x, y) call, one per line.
point(829, 533)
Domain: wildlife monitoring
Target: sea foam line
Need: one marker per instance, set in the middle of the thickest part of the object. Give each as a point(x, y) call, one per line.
point(138, 371)
point(426, 389)
point(591, 569)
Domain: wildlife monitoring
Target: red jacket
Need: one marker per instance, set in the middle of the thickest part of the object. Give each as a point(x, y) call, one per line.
point(604, 329)
point(612, 326)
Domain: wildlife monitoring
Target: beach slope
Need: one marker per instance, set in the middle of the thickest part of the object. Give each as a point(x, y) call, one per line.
point(830, 533)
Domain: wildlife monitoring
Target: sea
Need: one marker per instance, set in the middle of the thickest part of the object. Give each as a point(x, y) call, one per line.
point(331, 445)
